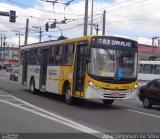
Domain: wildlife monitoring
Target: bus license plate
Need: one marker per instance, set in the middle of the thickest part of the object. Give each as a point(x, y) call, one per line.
point(115, 94)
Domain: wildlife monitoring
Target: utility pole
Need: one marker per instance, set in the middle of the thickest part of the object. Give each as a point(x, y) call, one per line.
point(153, 40)
point(1, 53)
point(40, 34)
point(26, 32)
point(104, 22)
point(92, 18)
point(39, 31)
point(4, 43)
point(19, 36)
point(4, 47)
point(96, 28)
point(1, 42)
point(86, 18)
point(18, 33)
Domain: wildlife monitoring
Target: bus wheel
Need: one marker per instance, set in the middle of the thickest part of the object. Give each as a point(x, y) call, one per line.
point(32, 86)
point(68, 96)
point(108, 102)
point(146, 103)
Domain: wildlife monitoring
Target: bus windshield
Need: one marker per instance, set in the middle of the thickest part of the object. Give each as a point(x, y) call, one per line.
point(116, 63)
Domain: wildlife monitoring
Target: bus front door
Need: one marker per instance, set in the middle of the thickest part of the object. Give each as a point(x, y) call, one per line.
point(80, 67)
point(25, 67)
point(43, 69)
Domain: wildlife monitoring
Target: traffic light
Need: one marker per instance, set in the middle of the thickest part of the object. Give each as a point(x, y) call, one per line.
point(53, 25)
point(46, 27)
point(12, 16)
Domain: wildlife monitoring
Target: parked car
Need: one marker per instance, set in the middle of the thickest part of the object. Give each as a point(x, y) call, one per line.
point(14, 74)
point(1, 66)
point(9, 68)
point(149, 94)
point(6, 65)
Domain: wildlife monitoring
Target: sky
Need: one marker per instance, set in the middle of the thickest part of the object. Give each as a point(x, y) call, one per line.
point(134, 19)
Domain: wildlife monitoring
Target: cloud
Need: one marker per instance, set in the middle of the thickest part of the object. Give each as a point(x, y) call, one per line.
point(143, 40)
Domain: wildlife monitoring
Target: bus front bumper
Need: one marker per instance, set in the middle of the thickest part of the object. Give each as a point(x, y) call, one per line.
point(93, 93)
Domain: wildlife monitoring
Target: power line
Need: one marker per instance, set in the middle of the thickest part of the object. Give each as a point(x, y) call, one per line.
point(129, 34)
point(112, 5)
point(121, 22)
point(117, 9)
point(51, 12)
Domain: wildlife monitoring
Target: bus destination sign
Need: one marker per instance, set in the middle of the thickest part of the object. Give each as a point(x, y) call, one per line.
point(113, 42)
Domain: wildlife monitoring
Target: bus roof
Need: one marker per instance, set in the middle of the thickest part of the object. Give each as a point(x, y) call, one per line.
point(53, 42)
point(149, 62)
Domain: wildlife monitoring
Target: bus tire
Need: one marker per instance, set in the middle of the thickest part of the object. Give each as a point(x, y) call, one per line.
point(32, 86)
point(147, 103)
point(67, 95)
point(108, 102)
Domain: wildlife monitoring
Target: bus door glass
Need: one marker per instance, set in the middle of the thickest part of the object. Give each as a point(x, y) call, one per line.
point(80, 67)
point(25, 67)
point(43, 68)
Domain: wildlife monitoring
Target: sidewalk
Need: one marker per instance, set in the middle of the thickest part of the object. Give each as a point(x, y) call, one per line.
point(4, 73)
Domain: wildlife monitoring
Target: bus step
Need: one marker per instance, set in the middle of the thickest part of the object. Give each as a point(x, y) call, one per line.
point(42, 90)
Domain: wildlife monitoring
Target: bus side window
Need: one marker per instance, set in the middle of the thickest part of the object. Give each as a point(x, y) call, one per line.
point(68, 54)
point(148, 69)
point(52, 55)
point(58, 55)
point(156, 69)
point(141, 68)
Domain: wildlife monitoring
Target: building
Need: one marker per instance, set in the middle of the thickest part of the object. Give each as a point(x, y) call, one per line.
point(148, 52)
point(9, 55)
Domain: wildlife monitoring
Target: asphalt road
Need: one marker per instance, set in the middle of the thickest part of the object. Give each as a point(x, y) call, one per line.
point(121, 117)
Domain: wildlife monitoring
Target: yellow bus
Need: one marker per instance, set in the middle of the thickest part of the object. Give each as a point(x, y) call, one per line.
point(89, 67)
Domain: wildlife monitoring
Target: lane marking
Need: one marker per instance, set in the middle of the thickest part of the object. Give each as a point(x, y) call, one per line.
point(62, 118)
point(54, 117)
point(144, 113)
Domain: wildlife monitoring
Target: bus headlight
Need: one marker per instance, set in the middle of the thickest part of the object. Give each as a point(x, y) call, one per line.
point(93, 86)
point(134, 88)
point(90, 83)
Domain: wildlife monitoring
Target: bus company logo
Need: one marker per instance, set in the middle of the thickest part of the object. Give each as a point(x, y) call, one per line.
point(63, 72)
point(52, 72)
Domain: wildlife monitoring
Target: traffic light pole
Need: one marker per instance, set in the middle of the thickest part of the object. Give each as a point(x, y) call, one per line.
point(11, 14)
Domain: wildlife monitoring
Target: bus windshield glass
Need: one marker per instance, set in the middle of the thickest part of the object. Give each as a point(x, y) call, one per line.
point(112, 62)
